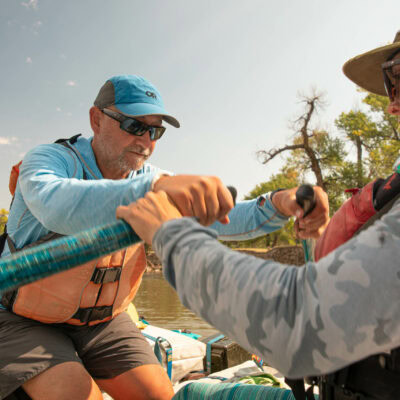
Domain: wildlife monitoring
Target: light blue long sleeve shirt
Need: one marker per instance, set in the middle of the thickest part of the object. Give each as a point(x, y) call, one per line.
point(52, 196)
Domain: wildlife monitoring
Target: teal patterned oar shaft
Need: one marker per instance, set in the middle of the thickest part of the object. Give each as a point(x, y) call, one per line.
point(38, 262)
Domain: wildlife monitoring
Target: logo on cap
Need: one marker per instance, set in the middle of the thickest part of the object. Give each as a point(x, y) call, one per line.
point(151, 94)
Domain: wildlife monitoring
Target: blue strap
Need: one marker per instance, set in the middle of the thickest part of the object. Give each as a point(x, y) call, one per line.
point(208, 351)
point(157, 351)
point(168, 353)
point(154, 339)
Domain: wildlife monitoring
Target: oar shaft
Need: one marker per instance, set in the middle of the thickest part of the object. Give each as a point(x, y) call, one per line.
point(61, 254)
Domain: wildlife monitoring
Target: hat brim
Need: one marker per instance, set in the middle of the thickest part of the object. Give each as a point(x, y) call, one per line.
point(365, 70)
point(143, 109)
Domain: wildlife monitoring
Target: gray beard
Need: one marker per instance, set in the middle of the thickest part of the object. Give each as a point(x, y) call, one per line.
point(121, 166)
point(126, 166)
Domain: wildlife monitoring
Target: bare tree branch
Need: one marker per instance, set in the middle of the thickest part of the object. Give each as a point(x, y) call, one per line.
point(303, 134)
point(267, 156)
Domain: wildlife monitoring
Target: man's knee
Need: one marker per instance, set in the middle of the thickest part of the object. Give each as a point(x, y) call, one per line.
point(67, 381)
point(147, 382)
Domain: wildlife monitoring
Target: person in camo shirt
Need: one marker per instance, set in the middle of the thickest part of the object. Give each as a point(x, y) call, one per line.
point(303, 321)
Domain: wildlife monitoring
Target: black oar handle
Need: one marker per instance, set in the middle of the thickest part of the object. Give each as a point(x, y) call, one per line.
point(305, 198)
point(233, 193)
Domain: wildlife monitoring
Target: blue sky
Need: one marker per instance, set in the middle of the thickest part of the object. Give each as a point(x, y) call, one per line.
point(229, 70)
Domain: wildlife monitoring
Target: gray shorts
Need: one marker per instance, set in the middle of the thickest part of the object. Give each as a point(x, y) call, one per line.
point(29, 347)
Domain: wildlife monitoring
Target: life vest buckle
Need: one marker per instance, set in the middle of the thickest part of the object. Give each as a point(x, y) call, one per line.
point(86, 315)
point(106, 275)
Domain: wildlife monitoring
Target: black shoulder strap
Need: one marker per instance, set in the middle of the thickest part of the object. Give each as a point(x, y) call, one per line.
point(67, 143)
point(72, 139)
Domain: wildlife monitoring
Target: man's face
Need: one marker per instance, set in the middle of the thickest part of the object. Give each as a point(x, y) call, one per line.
point(394, 106)
point(117, 151)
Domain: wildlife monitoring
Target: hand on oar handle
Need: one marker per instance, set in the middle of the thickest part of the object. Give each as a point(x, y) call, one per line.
point(203, 197)
point(310, 225)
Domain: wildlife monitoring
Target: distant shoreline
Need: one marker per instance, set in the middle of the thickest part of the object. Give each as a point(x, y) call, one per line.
point(293, 255)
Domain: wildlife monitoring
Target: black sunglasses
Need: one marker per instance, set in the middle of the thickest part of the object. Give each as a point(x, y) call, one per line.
point(134, 126)
point(389, 77)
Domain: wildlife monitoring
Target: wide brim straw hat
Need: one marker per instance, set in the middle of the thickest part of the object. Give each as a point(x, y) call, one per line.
point(365, 69)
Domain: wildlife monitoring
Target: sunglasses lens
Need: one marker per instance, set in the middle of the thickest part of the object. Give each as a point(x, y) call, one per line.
point(156, 132)
point(138, 128)
point(388, 85)
point(133, 126)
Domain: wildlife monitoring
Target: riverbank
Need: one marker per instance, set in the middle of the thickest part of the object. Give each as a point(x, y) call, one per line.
point(293, 255)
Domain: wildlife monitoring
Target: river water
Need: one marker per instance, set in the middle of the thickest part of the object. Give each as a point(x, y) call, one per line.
point(159, 305)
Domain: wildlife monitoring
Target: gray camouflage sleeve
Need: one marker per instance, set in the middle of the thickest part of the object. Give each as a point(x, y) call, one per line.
point(303, 321)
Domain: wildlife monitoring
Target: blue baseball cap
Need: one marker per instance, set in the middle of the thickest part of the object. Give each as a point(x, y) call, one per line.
point(133, 96)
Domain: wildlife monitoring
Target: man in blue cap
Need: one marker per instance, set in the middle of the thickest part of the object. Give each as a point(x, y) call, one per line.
point(72, 327)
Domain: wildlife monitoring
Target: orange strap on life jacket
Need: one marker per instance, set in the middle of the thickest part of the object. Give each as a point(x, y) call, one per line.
point(14, 178)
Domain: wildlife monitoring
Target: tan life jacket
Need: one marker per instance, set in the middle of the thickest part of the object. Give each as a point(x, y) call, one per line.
point(88, 294)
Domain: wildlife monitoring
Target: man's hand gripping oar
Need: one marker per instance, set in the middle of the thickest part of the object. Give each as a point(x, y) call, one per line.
point(309, 223)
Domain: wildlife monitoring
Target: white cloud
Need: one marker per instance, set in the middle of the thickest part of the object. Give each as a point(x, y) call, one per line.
point(28, 60)
point(7, 140)
point(30, 4)
point(36, 26)
point(58, 109)
point(71, 83)
point(63, 56)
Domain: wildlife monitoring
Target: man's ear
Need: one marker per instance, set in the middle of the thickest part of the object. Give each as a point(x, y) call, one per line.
point(95, 115)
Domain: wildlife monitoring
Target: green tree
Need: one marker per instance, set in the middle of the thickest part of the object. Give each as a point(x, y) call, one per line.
point(314, 151)
point(3, 219)
point(286, 178)
point(375, 136)
point(330, 153)
point(372, 132)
